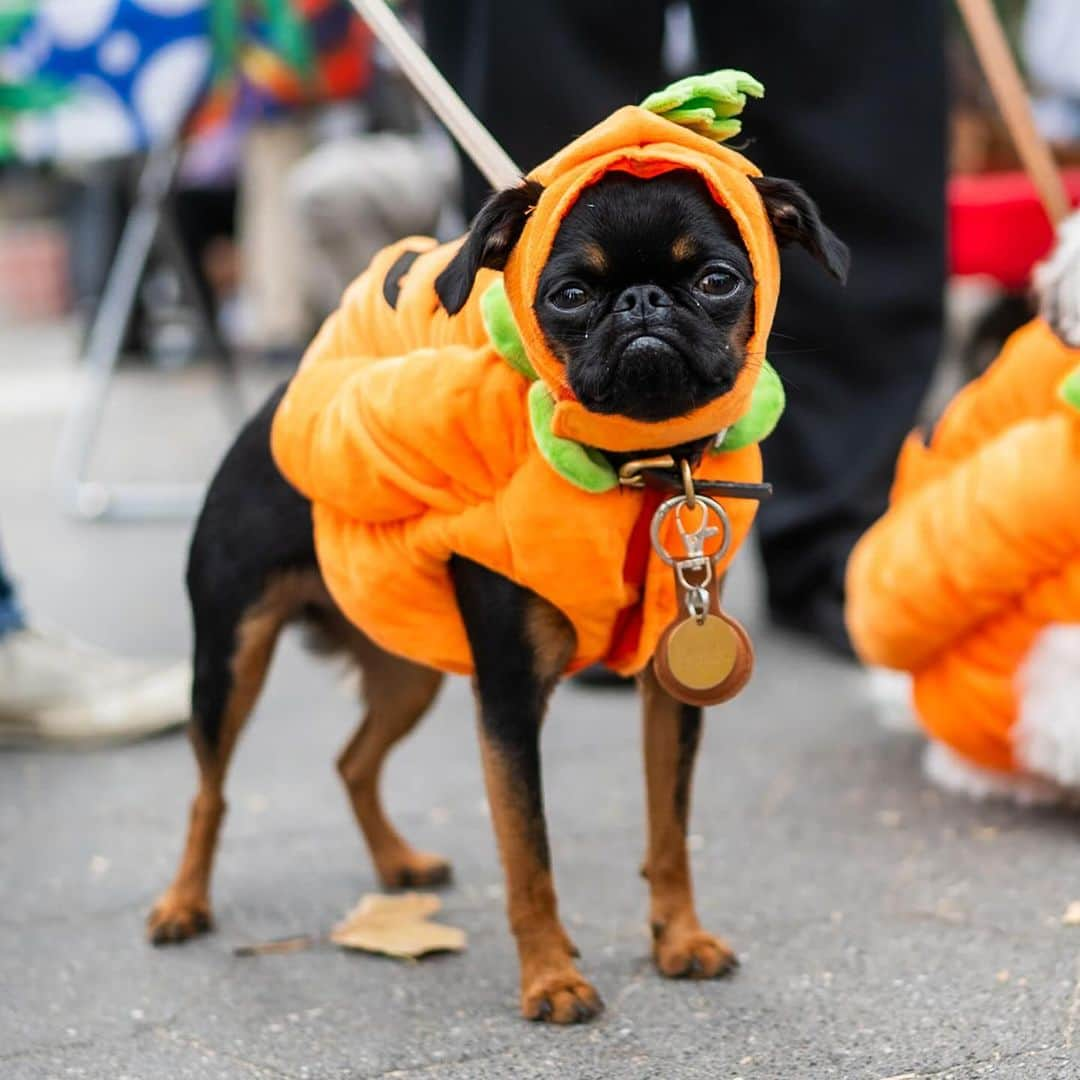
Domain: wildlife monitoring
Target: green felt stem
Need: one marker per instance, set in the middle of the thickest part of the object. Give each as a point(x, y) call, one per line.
point(766, 407)
point(582, 466)
point(502, 330)
point(707, 104)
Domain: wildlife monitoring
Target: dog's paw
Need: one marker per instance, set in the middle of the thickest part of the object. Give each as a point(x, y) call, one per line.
point(560, 997)
point(692, 954)
point(174, 919)
point(414, 869)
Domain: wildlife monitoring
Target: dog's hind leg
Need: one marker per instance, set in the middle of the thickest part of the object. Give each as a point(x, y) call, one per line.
point(671, 733)
point(231, 659)
point(397, 693)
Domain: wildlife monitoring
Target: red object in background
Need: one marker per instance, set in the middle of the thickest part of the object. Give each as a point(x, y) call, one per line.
point(34, 271)
point(997, 225)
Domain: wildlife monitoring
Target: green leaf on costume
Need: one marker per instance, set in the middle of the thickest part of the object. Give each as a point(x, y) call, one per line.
point(707, 104)
point(581, 466)
point(1069, 391)
point(502, 330)
point(757, 423)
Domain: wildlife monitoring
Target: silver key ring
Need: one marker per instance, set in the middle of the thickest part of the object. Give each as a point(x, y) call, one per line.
point(694, 540)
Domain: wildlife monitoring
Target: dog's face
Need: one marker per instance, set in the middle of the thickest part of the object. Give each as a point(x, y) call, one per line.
point(647, 296)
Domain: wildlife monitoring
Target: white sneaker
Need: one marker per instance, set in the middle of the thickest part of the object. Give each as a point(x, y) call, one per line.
point(53, 689)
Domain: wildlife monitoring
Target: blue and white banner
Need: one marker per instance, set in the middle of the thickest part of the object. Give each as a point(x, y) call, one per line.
point(118, 76)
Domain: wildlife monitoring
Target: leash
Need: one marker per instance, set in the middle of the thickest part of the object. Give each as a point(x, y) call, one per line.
point(1007, 86)
point(475, 139)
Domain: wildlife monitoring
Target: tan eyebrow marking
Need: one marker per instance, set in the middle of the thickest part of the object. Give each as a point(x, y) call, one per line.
point(596, 258)
point(683, 248)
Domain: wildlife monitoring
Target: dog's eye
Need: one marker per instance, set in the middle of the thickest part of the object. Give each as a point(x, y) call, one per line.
point(719, 283)
point(569, 297)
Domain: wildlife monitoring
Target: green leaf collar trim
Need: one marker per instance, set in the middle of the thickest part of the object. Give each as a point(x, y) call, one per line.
point(766, 407)
point(582, 466)
point(502, 330)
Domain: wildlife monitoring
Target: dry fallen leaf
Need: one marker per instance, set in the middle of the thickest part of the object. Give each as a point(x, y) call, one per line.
point(1072, 914)
point(397, 926)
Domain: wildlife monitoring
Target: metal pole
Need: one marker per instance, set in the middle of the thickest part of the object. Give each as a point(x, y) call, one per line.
point(488, 156)
point(999, 67)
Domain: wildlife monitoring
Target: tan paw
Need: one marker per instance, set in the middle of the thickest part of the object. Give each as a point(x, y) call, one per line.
point(693, 954)
point(174, 919)
point(414, 869)
point(560, 997)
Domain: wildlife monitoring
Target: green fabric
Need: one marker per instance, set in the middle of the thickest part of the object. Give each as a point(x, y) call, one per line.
point(13, 19)
point(224, 37)
point(26, 97)
point(41, 93)
point(707, 104)
point(582, 466)
point(503, 331)
point(766, 407)
point(287, 34)
point(290, 37)
point(1069, 391)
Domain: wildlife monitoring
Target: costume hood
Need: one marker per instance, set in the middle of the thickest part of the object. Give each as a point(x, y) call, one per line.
point(636, 140)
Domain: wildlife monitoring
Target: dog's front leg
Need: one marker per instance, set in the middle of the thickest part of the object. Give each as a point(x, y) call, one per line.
point(671, 734)
point(520, 647)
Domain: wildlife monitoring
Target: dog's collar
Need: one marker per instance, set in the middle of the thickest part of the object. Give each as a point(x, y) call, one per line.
point(586, 467)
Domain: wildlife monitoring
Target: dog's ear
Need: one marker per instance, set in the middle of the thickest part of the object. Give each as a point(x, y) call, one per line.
point(495, 231)
point(796, 220)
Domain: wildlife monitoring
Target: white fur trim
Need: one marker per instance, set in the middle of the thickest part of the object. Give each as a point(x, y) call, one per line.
point(955, 774)
point(1046, 736)
point(1057, 283)
point(889, 694)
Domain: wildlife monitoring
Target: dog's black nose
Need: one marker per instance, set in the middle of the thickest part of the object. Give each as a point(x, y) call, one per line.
point(642, 299)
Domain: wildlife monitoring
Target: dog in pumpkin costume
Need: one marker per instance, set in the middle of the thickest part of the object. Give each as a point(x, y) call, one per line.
point(970, 583)
point(452, 441)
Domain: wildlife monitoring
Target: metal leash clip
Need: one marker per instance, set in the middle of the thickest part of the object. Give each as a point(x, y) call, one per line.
point(694, 570)
point(705, 656)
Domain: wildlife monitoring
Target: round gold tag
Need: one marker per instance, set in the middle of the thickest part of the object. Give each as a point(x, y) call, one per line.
point(702, 655)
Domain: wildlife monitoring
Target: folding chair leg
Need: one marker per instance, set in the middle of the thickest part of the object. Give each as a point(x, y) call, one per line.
point(148, 221)
point(229, 383)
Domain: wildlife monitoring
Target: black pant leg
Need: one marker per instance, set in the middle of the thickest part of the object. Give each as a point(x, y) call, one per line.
point(539, 73)
point(855, 112)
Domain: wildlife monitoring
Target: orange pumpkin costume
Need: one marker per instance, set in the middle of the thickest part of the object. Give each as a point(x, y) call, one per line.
point(980, 549)
point(417, 439)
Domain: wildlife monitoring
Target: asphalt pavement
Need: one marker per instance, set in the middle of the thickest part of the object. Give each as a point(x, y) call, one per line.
point(885, 929)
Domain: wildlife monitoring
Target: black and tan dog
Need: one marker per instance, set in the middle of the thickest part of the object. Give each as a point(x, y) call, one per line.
point(648, 296)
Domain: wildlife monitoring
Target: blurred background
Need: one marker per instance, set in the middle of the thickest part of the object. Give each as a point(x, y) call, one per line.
point(188, 186)
point(300, 151)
